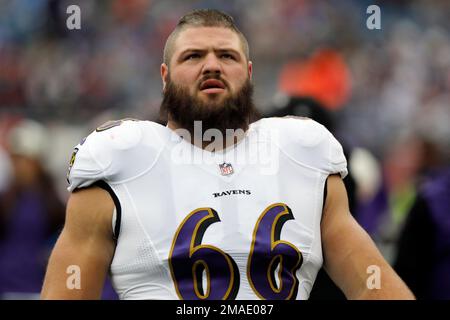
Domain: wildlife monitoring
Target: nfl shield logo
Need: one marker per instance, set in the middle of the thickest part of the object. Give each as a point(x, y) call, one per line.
point(226, 169)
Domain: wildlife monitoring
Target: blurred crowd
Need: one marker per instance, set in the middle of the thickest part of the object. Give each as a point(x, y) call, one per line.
point(384, 93)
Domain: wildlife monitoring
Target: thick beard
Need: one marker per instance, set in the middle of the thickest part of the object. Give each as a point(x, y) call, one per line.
point(234, 112)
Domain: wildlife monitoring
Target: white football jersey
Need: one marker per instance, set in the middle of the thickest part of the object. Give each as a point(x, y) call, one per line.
point(241, 223)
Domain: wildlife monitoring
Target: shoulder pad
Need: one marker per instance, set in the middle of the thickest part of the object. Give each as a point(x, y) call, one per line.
point(116, 151)
point(308, 143)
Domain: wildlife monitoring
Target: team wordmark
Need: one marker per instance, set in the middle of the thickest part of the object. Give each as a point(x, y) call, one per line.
point(230, 192)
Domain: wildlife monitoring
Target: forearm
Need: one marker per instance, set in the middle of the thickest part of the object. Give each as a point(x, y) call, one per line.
point(74, 272)
point(356, 265)
point(351, 258)
point(378, 281)
point(361, 272)
point(83, 253)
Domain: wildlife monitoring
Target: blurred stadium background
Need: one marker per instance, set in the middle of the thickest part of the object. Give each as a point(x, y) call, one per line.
point(384, 93)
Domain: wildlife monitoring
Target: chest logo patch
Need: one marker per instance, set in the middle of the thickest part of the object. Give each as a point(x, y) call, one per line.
point(226, 169)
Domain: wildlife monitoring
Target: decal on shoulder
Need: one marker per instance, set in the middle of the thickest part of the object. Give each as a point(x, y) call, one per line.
point(296, 117)
point(113, 123)
point(71, 162)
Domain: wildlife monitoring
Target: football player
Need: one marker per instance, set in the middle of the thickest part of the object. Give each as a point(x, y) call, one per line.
point(253, 217)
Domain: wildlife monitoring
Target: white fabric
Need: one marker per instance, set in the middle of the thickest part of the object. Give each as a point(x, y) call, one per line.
point(160, 178)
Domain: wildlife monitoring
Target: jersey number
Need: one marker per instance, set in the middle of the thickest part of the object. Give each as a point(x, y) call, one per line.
point(189, 259)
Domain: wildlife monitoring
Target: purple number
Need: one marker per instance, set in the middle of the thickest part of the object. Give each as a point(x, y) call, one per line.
point(189, 259)
point(268, 253)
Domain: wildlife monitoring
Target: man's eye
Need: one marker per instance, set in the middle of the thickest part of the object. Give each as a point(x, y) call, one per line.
point(227, 56)
point(192, 56)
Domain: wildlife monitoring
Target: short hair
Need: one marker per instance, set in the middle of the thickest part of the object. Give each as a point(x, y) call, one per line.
point(203, 18)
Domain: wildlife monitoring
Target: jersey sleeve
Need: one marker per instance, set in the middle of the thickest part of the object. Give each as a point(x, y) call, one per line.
point(83, 168)
point(105, 155)
point(337, 160)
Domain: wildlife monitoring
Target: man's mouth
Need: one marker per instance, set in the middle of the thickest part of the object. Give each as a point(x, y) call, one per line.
point(212, 86)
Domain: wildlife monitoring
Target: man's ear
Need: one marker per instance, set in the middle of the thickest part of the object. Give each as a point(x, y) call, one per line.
point(250, 69)
point(164, 75)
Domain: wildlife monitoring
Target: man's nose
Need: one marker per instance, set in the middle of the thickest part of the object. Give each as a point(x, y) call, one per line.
point(211, 64)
